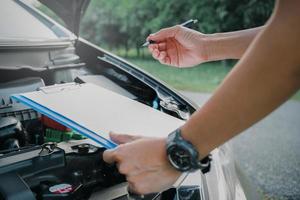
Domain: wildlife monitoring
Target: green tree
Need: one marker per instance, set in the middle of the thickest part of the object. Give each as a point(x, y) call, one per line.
point(127, 23)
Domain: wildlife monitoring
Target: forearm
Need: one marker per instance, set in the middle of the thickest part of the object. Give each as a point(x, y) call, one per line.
point(230, 45)
point(265, 77)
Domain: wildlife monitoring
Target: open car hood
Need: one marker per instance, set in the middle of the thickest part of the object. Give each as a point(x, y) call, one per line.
point(70, 11)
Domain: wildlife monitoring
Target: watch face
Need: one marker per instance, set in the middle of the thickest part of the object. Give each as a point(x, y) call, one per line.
point(180, 158)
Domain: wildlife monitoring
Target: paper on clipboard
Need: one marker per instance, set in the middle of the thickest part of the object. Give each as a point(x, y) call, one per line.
point(94, 111)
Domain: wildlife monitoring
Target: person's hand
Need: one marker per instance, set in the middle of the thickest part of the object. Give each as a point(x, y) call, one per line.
point(144, 163)
point(179, 46)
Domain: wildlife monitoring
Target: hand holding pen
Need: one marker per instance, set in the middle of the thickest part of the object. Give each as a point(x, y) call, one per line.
point(187, 24)
point(178, 46)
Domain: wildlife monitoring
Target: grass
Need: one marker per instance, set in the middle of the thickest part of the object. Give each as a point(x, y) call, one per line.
point(203, 78)
point(297, 96)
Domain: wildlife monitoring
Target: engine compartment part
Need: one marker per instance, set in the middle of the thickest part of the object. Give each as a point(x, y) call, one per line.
point(169, 105)
point(49, 123)
point(50, 173)
point(12, 134)
point(52, 135)
point(55, 132)
point(51, 162)
point(9, 107)
point(20, 189)
point(47, 163)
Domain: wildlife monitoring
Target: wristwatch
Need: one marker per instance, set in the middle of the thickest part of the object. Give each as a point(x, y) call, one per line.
point(183, 156)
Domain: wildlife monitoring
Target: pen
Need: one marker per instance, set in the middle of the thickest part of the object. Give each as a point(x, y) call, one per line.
point(187, 24)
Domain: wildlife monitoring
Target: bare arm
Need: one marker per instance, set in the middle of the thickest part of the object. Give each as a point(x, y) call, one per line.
point(265, 77)
point(182, 47)
point(230, 45)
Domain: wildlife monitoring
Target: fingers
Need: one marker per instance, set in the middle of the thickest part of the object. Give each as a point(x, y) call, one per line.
point(109, 156)
point(161, 56)
point(167, 61)
point(162, 46)
point(116, 156)
point(143, 163)
point(113, 155)
point(142, 183)
point(164, 34)
point(157, 51)
point(122, 138)
point(160, 51)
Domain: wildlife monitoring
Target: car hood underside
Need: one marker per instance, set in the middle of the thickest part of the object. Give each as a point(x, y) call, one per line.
point(69, 11)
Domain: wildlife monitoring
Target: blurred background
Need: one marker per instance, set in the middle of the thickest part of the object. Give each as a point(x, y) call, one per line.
point(122, 26)
point(269, 151)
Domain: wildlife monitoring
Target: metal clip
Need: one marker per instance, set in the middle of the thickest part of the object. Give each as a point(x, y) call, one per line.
point(171, 105)
point(47, 149)
point(59, 88)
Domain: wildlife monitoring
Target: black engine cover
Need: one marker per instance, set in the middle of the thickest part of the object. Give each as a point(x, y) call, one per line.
point(48, 172)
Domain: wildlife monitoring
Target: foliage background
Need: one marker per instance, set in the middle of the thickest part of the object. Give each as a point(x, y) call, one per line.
point(125, 24)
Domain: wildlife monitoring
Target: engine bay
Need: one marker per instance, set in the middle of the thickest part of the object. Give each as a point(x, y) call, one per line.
point(42, 159)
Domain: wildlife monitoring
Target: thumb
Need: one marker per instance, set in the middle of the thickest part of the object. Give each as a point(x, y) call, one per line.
point(122, 138)
point(164, 34)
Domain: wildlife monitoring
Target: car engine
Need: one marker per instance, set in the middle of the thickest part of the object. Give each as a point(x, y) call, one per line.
point(41, 159)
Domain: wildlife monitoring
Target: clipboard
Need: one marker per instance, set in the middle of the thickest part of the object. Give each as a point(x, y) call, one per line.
point(94, 111)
